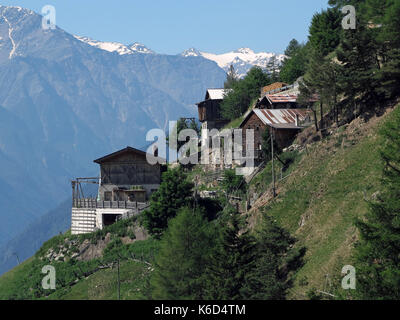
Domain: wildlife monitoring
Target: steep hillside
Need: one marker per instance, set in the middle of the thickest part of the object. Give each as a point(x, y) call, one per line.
point(87, 266)
point(325, 189)
point(322, 192)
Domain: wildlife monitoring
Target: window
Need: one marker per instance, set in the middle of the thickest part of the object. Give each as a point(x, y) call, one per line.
point(107, 195)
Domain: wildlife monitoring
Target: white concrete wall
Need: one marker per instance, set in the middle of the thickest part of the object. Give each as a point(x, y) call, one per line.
point(100, 212)
point(83, 220)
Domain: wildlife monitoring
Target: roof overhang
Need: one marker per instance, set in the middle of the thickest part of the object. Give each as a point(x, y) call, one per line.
point(128, 149)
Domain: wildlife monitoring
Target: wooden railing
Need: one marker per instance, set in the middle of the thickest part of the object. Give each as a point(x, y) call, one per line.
point(93, 203)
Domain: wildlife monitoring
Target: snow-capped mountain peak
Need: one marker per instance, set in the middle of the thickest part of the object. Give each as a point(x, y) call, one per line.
point(120, 48)
point(242, 59)
point(247, 51)
point(192, 52)
point(138, 47)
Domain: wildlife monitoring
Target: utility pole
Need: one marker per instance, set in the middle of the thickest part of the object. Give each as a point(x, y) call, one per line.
point(273, 169)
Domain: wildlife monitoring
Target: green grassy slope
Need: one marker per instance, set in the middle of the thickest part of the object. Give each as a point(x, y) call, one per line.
point(318, 202)
point(87, 278)
point(327, 188)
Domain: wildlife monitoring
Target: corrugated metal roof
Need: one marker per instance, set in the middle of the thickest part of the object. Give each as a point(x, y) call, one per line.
point(281, 118)
point(281, 98)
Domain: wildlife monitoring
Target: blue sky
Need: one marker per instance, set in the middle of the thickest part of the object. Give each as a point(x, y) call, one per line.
point(171, 26)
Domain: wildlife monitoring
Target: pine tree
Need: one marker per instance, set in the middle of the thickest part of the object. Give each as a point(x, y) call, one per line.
point(325, 30)
point(183, 254)
point(292, 48)
point(295, 65)
point(389, 39)
point(174, 193)
point(231, 78)
point(275, 262)
point(245, 90)
point(231, 260)
point(358, 55)
point(378, 253)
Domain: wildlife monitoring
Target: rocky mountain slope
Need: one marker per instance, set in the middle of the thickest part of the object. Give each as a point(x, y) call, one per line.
point(64, 103)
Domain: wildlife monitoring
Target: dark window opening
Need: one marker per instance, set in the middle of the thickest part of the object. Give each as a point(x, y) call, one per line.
point(109, 219)
point(107, 196)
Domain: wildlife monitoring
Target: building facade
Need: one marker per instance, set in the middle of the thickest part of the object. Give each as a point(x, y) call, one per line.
point(284, 124)
point(126, 182)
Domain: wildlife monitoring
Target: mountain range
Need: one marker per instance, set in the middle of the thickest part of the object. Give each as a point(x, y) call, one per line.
point(242, 59)
point(66, 100)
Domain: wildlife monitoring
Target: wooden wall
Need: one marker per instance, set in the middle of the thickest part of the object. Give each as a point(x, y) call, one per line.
point(130, 169)
point(283, 137)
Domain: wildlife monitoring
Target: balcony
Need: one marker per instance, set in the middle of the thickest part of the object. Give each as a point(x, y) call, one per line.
point(93, 204)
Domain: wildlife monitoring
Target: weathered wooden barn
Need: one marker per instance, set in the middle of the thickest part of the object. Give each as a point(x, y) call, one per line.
point(126, 175)
point(285, 124)
point(126, 183)
point(210, 109)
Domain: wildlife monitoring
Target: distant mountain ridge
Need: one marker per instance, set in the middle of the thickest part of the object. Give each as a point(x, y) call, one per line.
point(64, 102)
point(120, 48)
point(242, 59)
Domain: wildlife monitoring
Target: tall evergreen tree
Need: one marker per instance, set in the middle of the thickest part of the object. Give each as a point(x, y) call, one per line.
point(237, 102)
point(231, 260)
point(183, 254)
point(231, 78)
point(360, 62)
point(275, 262)
point(175, 192)
point(295, 65)
point(388, 35)
point(378, 253)
point(293, 47)
point(325, 30)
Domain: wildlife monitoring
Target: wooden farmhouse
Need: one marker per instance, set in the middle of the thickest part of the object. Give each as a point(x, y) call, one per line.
point(126, 175)
point(126, 183)
point(210, 110)
point(284, 124)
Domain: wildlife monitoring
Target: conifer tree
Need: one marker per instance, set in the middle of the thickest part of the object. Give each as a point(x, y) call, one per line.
point(378, 253)
point(245, 90)
point(183, 254)
point(231, 259)
point(231, 78)
point(174, 193)
point(358, 55)
point(275, 261)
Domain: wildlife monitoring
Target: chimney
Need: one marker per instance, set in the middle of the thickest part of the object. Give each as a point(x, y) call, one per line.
point(297, 120)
